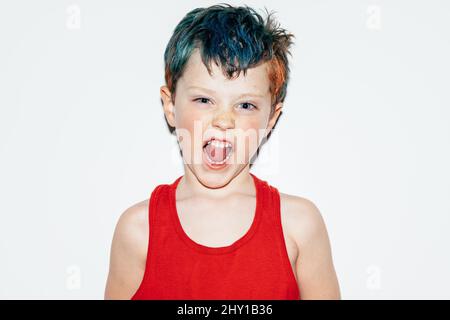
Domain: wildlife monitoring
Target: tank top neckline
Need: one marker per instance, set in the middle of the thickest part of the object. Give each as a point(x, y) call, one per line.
point(215, 250)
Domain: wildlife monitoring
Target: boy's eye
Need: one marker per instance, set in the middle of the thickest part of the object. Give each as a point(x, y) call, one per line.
point(202, 100)
point(246, 105)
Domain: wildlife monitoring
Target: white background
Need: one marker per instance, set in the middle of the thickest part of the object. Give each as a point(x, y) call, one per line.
point(364, 134)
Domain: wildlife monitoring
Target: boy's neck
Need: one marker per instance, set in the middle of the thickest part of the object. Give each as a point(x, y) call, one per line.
point(190, 186)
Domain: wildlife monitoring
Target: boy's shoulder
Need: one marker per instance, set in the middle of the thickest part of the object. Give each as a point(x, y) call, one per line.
point(135, 216)
point(301, 218)
point(132, 226)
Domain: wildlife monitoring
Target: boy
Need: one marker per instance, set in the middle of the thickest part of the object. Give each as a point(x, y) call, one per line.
point(218, 231)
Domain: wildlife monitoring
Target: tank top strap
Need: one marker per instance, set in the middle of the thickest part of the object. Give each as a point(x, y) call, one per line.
point(159, 209)
point(268, 200)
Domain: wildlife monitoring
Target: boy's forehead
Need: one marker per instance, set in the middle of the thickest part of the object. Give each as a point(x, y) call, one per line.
point(196, 74)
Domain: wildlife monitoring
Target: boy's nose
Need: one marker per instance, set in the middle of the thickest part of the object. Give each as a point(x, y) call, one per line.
point(223, 120)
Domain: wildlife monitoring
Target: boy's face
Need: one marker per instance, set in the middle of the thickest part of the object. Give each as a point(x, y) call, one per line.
point(208, 107)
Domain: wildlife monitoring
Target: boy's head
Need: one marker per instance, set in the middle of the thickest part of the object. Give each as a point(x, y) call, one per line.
point(214, 57)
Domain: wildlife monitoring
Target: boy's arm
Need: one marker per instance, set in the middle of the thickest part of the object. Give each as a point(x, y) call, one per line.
point(315, 270)
point(128, 254)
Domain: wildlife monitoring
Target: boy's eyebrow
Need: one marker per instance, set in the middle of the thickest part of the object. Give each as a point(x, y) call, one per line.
point(249, 94)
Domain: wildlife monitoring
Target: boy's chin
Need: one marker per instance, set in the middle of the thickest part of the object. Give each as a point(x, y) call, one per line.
point(215, 178)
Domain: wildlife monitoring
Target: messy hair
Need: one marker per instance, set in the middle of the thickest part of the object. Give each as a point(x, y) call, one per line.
point(236, 38)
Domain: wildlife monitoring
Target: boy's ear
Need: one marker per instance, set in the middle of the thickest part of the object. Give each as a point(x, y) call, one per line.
point(274, 117)
point(169, 109)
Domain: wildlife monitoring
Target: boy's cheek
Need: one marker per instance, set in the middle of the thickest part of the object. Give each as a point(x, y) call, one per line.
point(187, 117)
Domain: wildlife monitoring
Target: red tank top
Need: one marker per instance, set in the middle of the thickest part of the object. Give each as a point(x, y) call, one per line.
point(254, 267)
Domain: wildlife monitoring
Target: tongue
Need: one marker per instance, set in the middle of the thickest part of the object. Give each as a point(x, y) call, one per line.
point(216, 154)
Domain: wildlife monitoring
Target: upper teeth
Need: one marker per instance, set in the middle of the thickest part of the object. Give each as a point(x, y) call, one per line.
point(220, 144)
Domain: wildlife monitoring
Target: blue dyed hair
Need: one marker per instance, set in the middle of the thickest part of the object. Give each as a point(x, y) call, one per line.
point(236, 38)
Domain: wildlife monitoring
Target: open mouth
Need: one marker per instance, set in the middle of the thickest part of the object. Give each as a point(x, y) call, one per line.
point(217, 152)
